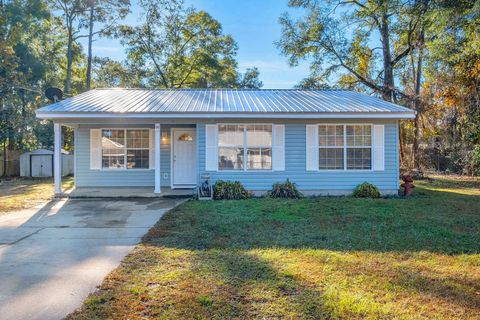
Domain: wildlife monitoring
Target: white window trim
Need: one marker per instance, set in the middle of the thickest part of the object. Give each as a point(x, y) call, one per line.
point(345, 147)
point(245, 147)
point(125, 148)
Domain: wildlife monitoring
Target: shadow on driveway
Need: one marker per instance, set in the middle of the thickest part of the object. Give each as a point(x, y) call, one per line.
point(52, 258)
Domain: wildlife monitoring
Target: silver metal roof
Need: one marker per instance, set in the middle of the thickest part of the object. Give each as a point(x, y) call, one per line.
point(211, 101)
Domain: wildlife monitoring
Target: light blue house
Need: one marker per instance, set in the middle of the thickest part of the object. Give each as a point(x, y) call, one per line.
point(326, 141)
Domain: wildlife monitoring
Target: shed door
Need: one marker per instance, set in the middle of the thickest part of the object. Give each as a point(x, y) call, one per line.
point(42, 166)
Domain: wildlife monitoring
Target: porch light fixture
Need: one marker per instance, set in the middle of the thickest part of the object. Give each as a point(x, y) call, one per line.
point(164, 137)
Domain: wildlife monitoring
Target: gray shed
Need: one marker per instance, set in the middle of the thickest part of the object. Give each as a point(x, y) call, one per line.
point(39, 163)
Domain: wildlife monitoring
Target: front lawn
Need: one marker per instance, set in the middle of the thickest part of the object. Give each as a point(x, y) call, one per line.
point(324, 258)
point(21, 193)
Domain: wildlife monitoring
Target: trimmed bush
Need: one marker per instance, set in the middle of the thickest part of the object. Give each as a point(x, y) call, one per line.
point(286, 190)
point(229, 190)
point(366, 190)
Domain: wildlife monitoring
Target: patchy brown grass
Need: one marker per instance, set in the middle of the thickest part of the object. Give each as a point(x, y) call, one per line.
point(21, 193)
point(326, 258)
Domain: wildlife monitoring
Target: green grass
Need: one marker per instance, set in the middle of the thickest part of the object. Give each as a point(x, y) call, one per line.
point(323, 258)
point(21, 193)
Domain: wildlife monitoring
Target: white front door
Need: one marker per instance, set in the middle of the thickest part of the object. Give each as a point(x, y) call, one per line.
point(184, 157)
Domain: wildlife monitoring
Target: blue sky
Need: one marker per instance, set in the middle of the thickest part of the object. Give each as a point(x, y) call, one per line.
point(252, 23)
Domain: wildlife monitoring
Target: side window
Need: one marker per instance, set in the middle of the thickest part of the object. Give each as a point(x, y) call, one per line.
point(344, 147)
point(359, 147)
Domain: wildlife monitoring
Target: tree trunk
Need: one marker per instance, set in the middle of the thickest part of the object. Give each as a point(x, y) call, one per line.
point(22, 131)
point(417, 105)
point(2, 132)
point(388, 81)
point(90, 39)
point(4, 159)
point(11, 137)
point(68, 79)
point(416, 141)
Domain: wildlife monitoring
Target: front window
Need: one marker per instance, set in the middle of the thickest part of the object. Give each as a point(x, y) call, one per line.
point(259, 147)
point(231, 140)
point(125, 148)
point(359, 147)
point(345, 147)
point(252, 142)
point(113, 148)
point(331, 144)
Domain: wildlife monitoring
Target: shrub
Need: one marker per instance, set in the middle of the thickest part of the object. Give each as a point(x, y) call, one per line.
point(229, 190)
point(366, 190)
point(475, 160)
point(285, 189)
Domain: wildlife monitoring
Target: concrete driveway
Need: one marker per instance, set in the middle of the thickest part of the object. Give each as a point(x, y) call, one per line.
point(51, 258)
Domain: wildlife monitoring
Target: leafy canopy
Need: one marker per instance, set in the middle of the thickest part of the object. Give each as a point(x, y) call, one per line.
point(179, 47)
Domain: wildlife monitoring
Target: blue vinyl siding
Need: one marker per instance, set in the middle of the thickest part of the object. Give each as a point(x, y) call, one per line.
point(295, 164)
point(295, 158)
point(121, 178)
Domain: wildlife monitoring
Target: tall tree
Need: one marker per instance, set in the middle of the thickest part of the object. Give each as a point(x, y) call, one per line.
point(74, 15)
point(314, 83)
point(111, 73)
point(20, 64)
point(107, 13)
point(452, 82)
point(322, 35)
point(30, 51)
point(179, 47)
point(250, 79)
point(361, 61)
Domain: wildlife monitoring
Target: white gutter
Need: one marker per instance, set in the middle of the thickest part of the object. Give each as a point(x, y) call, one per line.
point(230, 115)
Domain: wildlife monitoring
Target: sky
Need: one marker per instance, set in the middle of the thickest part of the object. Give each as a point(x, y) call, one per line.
point(254, 26)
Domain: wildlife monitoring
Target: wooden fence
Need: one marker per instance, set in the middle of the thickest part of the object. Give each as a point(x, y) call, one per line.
point(10, 165)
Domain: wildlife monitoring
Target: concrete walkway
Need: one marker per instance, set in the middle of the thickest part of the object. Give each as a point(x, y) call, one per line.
point(52, 258)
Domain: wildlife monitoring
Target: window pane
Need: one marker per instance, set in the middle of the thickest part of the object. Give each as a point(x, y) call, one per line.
point(359, 135)
point(367, 140)
point(137, 159)
point(331, 158)
point(359, 158)
point(137, 139)
point(259, 158)
point(230, 135)
point(185, 137)
point(330, 135)
point(230, 158)
point(113, 149)
point(322, 130)
point(322, 141)
point(113, 158)
point(113, 139)
point(259, 135)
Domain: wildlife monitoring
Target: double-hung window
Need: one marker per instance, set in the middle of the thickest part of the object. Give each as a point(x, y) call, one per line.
point(244, 147)
point(231, 147)
point(125, 148)
point(345, 147)
point(331, 147)
point(359, 147)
